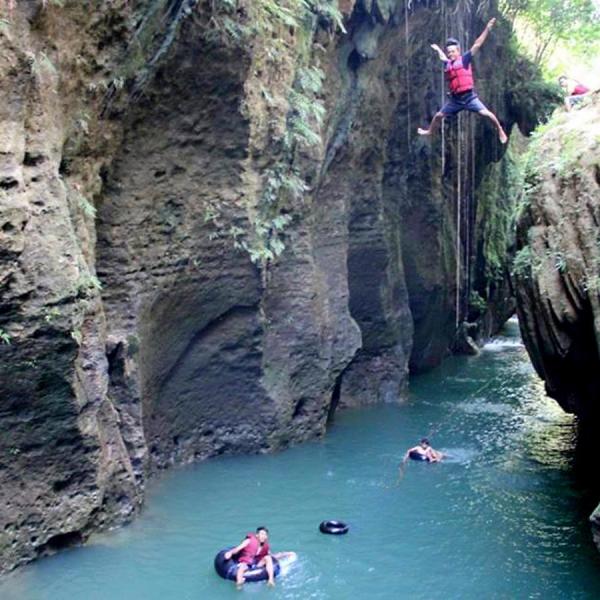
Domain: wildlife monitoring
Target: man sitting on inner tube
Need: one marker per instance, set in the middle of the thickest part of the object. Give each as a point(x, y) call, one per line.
point(253, 552)
point(423, 452)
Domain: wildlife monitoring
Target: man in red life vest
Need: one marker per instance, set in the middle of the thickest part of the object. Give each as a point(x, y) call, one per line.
point(254, 551)
point(459, 75)
point(575, 91)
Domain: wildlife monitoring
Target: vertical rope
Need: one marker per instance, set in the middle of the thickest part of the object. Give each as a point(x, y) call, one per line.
point(458, 218)
point(470, 208)
point(459, 193)
point(472, 212)
point(442, 87)
point(407, 4)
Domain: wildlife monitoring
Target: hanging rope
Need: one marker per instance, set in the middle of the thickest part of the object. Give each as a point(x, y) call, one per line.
point(442, 89)
point(459, 195)
point(458, 218)
point(471, 217)
point(407, 6)
point(470, 214)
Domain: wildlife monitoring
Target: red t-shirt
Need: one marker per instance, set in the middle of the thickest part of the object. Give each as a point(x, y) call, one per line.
point(579, 90)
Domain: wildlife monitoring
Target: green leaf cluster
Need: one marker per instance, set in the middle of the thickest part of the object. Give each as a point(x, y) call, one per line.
point(522, 263)
point(573, 23)
point(267, 16)
point(306, 111)
point(5, 337)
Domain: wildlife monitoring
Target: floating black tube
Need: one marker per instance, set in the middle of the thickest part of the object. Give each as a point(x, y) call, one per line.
point(333, 527)
point(414, 455)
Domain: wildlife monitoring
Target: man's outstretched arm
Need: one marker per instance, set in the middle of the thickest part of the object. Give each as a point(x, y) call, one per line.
point(440, 52)
point(237, 549)
point(479, 41)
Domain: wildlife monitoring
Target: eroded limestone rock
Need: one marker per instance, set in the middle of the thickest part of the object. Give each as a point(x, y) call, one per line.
point(558, 260)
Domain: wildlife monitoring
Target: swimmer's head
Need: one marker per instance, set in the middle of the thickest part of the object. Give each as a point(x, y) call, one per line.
point(424, 442)
point(262, 533)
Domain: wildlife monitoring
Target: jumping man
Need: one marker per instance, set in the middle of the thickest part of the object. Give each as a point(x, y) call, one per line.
point(460, 81)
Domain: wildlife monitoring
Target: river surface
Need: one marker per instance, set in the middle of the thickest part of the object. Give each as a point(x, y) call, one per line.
point(503, 517)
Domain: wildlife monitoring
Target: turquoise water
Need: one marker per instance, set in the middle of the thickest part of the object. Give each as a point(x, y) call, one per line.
point(502, 518)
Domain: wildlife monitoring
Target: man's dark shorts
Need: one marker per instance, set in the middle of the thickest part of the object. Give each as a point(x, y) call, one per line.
point(465, 101)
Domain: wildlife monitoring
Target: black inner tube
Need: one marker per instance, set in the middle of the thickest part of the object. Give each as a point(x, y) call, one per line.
point(333, 527)
point(414, 455)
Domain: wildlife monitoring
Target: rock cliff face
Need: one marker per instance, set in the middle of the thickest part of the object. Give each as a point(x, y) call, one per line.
point(556, 272)
point(218, 225)
point(557, 265)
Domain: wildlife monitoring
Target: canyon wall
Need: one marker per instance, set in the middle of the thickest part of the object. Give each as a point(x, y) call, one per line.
point(557, 265)
point(556, 270)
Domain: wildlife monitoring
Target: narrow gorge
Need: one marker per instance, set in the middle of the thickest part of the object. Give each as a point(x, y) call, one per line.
point(218, 226)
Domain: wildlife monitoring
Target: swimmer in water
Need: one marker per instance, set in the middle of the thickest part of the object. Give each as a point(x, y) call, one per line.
point(423, 452)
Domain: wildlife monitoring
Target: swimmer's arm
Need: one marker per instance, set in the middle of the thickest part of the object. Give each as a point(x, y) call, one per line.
point(440, 52)
point(437, 456)
point(237, 549)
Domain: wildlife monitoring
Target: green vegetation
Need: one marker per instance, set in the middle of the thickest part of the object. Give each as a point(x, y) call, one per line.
point(533, 98)
point(328, 10)
point(537, 161)
point(87, 284)
point(527, 263)
point(477, 303)
point(574, 24)
point(306, 111)
point(559, 260)
point(562, 37)
point(267, 16)
point(77, 336)
point(51, 314)
point(86, 206)
point(282, 184)
point(497, 194)
point(592, 283)
point(88, 209)
point(5, 337)
point(10, 4)
point(523, 263)
point(41, 64)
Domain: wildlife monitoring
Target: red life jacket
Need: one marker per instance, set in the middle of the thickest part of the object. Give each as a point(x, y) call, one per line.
point(253, 552)
point(579, 90)
point(459, 79)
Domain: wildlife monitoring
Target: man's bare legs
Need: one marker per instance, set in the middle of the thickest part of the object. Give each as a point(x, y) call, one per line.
point(267, 561)
point(439, 117)
point(239, 575)
point(501, 133)
point(433, 126)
